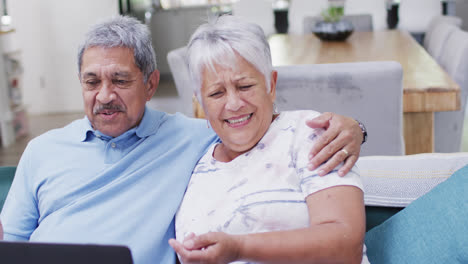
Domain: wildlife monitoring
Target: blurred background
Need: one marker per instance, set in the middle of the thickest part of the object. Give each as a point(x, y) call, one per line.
point(39, 87)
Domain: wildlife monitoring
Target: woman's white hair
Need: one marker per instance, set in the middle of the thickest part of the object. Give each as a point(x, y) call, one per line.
point(217, 43)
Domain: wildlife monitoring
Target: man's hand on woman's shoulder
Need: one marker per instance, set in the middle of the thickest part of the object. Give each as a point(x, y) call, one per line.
point(340, 142)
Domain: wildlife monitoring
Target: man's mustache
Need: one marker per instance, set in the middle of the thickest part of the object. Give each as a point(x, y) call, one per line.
point(103, 107)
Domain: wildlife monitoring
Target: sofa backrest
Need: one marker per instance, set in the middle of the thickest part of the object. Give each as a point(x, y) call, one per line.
point(6, 178)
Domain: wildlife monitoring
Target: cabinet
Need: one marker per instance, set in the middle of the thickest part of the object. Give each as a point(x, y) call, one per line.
point(13, 117)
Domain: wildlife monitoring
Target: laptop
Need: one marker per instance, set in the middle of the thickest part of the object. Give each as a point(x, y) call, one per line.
point(55, 253)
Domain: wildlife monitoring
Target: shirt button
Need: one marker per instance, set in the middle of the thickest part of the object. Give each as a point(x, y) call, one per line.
point(113, 145)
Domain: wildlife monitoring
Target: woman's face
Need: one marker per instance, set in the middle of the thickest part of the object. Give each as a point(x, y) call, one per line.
point(237, 104)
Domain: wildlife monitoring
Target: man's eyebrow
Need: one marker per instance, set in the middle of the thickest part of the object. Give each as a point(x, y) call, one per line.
point(121, 74)
point(89, 74)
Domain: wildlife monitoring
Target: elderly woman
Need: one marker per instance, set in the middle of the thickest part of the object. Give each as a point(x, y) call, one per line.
point(251, 197)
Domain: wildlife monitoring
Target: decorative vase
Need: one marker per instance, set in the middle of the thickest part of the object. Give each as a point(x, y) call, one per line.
point(333, 31)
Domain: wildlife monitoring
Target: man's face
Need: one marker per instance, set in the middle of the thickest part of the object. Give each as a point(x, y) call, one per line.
point(114, 91)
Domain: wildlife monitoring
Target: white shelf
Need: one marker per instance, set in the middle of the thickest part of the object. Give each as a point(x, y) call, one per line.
point(13, 122)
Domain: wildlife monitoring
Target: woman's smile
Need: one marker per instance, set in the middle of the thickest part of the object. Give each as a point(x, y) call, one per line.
point(239, 121)
point(238, 103)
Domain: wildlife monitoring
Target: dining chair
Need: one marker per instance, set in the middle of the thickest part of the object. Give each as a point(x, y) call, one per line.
point(362, 22)
point(434, 43)
point(177, 61)
point(454, 20)
point(448, 126)
point(415, 15)
point(299, 9)
point(368, 91)
point(256, 11)
point(376, 8)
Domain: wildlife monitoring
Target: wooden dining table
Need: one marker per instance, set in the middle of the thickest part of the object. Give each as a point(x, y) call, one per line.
point(427, 88)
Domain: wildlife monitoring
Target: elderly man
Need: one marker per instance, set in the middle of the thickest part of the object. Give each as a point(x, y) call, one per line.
point(117, 176)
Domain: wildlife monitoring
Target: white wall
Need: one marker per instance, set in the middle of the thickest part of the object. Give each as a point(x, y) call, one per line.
point(48, 33)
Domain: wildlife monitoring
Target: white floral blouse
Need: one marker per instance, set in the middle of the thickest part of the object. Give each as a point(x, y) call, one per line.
point(261, 190)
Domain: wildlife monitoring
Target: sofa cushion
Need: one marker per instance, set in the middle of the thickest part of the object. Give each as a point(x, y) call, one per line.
point(432, 229)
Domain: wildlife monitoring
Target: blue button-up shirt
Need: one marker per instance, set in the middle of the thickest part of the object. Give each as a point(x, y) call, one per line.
point(78, 185)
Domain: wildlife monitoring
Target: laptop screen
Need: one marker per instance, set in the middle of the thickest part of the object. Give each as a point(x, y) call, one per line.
point(51, 253)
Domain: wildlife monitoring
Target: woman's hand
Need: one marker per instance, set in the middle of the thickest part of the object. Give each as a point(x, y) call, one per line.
point(341, 133)
point(213, 247)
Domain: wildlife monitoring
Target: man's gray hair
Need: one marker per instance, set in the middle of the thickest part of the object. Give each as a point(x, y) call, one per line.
point(122, 31)
point(218, 42)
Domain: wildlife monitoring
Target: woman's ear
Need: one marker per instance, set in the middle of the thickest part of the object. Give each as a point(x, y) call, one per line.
point(273, 79)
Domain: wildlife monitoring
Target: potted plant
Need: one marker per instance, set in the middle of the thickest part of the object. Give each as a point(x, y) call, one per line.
point(333, 27)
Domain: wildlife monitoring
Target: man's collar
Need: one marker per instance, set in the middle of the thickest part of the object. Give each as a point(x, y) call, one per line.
point(150, 122)
point(148, 126)
point(80, 129)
